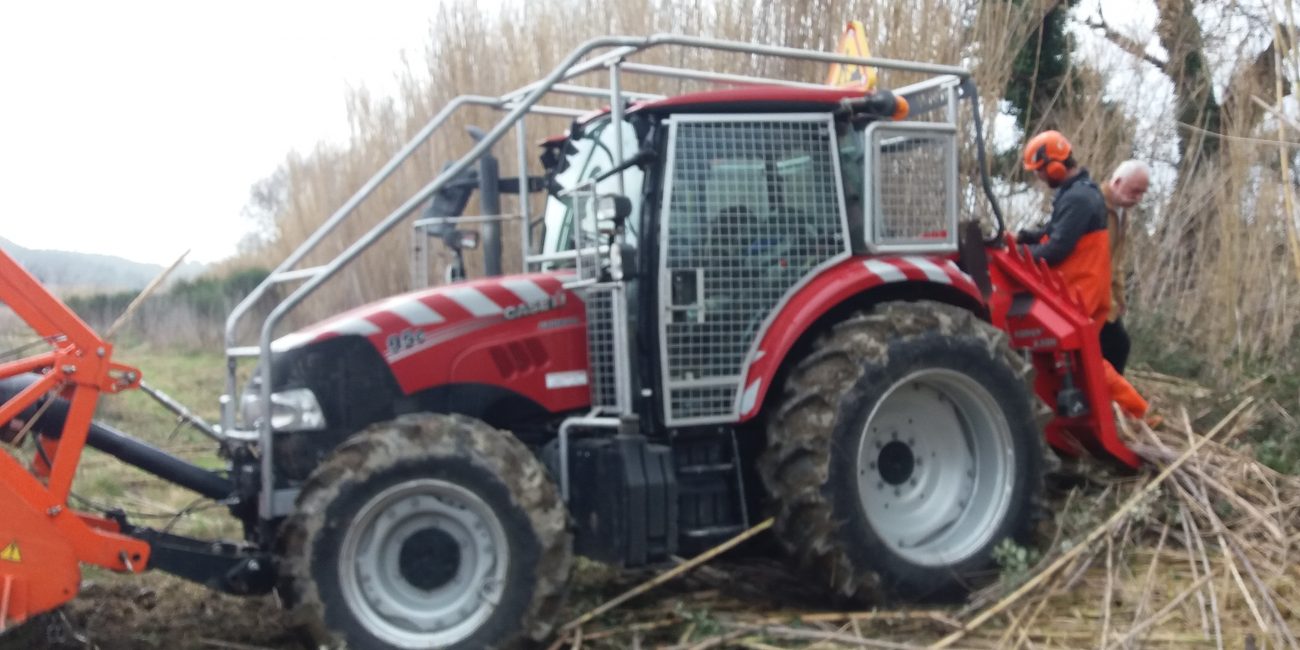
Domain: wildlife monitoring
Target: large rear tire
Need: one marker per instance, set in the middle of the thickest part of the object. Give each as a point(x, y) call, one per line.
point(47, 631)
point(427, 531)
point(903, 451)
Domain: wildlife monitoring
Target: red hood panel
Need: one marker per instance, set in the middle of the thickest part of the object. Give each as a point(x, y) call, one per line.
point(525, 333)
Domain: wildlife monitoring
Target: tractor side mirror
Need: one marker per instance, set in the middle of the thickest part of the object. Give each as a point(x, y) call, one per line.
point(613, 207)
point(623, 262)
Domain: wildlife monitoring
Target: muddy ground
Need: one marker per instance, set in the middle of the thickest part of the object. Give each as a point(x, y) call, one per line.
point(155, 610)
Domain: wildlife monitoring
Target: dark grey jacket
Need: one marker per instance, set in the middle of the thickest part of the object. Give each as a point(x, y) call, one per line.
point(1077, 209)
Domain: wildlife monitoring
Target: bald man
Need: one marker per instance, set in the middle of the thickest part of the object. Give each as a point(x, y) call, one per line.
point(1125, 189)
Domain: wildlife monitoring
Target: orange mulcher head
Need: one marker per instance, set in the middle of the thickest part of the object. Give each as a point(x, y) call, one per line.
point(1043, 316)
point(38, 566)
point(42, 541)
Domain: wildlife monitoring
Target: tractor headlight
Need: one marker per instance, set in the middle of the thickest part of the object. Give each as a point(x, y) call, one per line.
point(295, 409)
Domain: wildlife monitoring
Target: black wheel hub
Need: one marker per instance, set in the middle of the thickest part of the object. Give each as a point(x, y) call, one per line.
point(429, 559)
point(896, 462)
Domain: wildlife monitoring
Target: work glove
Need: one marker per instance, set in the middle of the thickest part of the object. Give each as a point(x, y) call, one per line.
point(1026, 236)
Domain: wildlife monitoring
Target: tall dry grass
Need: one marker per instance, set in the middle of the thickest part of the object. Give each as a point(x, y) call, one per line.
point(1229, 291)
point(1215, 259)
point(473, 51)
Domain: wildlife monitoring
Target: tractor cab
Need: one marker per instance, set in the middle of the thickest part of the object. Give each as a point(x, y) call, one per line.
point(733, 199)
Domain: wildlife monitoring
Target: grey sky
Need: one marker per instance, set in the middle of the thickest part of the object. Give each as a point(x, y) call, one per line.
point(136, 128)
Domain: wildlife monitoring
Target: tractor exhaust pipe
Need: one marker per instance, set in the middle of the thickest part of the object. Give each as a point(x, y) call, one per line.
point(119, 445)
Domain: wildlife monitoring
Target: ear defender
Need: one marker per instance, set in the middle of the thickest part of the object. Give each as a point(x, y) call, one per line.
point(1048, 151)
point(1054, 169)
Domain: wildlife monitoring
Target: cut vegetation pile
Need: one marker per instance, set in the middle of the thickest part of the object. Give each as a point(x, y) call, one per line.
point(1197, 550)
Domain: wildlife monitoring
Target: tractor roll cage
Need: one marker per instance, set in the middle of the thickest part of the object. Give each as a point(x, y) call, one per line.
point(517, 104)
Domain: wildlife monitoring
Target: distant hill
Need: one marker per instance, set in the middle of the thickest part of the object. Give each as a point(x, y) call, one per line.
point(69, 272)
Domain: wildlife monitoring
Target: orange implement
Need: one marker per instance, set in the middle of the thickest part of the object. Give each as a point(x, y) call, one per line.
point(42, 541)
point(1048, 319)
point(38, 566)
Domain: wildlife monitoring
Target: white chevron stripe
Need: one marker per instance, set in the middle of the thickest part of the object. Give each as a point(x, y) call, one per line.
point(527, 290)
point(412, 310)
point(353, 326)
point(956, 270)
point(750, 395)
point(930, 269)
point(473, 301)
point(887, 272)
point(291, 341)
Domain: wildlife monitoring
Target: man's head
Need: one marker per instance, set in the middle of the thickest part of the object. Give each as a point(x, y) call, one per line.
point(1129, 183)
point(1048, 155)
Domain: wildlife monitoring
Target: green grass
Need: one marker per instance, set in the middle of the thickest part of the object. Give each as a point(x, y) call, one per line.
point(195, 380)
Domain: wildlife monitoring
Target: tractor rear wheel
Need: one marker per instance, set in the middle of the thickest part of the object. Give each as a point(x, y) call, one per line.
point(48, 630)
point(903, 451)
point(427, 531)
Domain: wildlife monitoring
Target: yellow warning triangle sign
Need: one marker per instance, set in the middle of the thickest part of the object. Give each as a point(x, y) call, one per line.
point(11, 553)
point(853, 42)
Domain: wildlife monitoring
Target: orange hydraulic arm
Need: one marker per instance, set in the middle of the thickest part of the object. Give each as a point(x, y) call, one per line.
point(42, 541)
point(1032, 303)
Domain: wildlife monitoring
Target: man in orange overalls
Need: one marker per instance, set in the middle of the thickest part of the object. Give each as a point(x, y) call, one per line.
point(1076, 241)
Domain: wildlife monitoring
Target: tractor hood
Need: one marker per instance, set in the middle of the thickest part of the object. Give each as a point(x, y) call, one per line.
point(524, 333)
point(438, 315)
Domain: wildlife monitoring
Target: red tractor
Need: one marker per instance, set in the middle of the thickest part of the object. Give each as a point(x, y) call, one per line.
point(750, 301)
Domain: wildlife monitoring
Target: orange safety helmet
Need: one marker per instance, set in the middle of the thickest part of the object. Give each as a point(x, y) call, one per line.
point(1048, 151)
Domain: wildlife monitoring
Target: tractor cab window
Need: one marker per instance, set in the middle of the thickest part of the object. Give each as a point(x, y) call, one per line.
point(759, 196)
point(586, 158)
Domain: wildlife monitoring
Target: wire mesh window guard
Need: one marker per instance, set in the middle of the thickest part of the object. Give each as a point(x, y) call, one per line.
point(753, 206)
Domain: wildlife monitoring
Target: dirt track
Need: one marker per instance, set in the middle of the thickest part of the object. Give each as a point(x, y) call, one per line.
point(159, 611)
point(154, 610)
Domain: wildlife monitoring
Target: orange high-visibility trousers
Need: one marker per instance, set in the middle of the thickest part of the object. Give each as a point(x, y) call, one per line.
point(1124, 394)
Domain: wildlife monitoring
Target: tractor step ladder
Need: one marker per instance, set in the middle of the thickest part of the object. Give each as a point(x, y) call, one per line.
point(706, 469)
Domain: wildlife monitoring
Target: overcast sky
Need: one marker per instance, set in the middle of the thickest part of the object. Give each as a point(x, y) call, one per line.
point(136, 128)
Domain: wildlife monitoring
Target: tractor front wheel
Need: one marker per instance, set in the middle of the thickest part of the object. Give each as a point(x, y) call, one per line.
point(427, 531)
point(903, 451)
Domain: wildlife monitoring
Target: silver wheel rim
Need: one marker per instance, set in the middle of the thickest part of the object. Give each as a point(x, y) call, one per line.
point(398, 574)
point(935, 467)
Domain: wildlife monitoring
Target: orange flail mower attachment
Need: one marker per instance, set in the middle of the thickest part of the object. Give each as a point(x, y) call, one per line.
point(1045, 317)
point(42, 541)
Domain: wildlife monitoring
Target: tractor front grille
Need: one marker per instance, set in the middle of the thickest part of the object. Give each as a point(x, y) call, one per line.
point(601, 347)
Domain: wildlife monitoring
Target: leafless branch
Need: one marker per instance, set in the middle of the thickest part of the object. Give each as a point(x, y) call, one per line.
point(1123, 41)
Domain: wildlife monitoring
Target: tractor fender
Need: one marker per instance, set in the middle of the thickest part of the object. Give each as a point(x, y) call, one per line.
point(856, 282)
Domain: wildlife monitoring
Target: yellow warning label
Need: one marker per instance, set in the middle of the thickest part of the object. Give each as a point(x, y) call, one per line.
point(11, 553)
